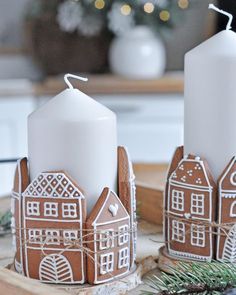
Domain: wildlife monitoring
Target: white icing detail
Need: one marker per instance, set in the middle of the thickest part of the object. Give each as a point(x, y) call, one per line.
point(18, 267)
point(183, 178)
point(55, 268)
point(106, 263)
point(197, 167)
point(197, 204)
point(69, 210)
point(123, 260)
point(233, 210)
point(185, 157)
point(69, 236)
point(178, 231)
point(54, 186)
point(229, 251)
point(197, 158)
point(13, 202)
point(187, 215)
point(233, 178)
point(190, 172)
point(199, 181)
point(174, 175)
point(14, 242)
point(13, 225)
point(51, 209)
point(181, 167)
point(198, 237)
point(33, 208)
point(113, 209)
point(177, 200)
point(35, 236)
point(123, 235)
point(106, 239)
point(52, 237)
point(190, 256)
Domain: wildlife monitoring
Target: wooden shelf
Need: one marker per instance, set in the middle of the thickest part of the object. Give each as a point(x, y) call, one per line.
point(110, 84)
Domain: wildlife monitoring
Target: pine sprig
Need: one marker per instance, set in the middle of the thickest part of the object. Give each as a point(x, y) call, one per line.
point(195, 278)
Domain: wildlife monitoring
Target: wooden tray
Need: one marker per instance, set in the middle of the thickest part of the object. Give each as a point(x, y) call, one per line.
point(12, 283)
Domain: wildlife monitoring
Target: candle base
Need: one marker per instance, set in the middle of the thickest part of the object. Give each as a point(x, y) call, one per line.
point(56, 242)
point(199, 215)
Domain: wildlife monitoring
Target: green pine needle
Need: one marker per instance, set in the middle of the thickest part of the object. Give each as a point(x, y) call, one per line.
point(194, 278)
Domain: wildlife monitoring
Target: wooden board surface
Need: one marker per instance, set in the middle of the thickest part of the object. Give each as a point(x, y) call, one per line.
point(111, 84)
point(150, 184)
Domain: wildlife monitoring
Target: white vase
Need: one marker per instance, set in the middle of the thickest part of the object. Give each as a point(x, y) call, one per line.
point(138, 54)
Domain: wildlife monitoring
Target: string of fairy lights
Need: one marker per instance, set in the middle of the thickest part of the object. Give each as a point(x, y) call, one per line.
point(148, 7)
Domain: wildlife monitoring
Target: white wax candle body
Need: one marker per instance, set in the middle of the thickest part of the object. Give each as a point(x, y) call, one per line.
point(74, 133)
point(210, 101)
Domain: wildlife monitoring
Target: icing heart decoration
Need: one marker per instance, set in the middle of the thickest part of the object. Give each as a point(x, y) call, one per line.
point(187, 215)
point(113, 209)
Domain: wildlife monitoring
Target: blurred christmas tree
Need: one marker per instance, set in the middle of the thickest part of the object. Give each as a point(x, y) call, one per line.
point(90, 17)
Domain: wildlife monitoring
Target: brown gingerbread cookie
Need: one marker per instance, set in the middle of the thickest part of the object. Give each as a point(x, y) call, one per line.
point(54, 214)
point(190, 205)
point(108, 239)
point(21, 180)
point(126, 193)
point(226, 241)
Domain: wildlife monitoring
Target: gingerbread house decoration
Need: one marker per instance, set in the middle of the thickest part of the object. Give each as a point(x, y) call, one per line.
point(109, 241)
point(226, 245)
point(54, 215)
point(127, 192)
point(54, 241)
point(190, 199)
point(20, 183)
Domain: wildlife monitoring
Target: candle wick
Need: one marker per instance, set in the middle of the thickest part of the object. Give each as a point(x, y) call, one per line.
point(230, 16)
point(67, 76)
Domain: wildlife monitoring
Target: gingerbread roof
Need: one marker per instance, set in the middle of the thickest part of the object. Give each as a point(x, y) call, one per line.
point(108, 208)
point(227, 180)
point(53, 184)
point(193, 171)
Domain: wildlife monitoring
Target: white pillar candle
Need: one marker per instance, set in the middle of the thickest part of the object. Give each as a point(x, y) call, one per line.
point(74, 133)
point(210, 100)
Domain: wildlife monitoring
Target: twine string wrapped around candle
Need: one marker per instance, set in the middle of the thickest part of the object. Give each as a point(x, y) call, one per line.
point(80, 243)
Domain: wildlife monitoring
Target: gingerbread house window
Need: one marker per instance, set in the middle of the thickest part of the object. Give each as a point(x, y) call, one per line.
point(233, 209)
point(178, 200)
point(33, 209)
point(70, 236)
point(178, 231)
point(106, 239)
point(123, 257)
point(52, 237)
point(35, 236)
point(106, 263)
point(123, 234)
point(69, 210)
point(51, 209)
point(198, 235)
point(197, 204)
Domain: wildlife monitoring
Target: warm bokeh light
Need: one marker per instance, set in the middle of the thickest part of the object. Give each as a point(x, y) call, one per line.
point(183, 4)
point(99, 4)
point(125, 9)
point(164, 15)
point(148, 7)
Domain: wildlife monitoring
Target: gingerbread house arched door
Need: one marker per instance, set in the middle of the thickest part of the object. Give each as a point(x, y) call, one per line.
point(55, 268)
point(229, 252)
